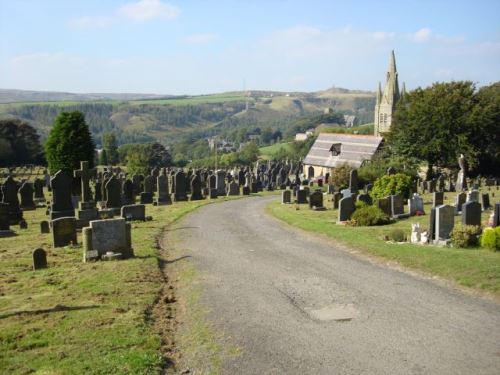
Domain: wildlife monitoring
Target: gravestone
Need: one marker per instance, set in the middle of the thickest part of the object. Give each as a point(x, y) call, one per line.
point(459, 201)
point(346, 193)
point(336, 199)
point(471, 213)
point(85, 174)
point(212, 193)
point(44, 227)
point(397, 206)
point(5, 230)
point(245, 190)
point(62, 205)
point(365, 198)
point(496, 215)
point(133, 212)
point(64, 231)
point(180, 187)
point(437, 198)
point(98, 191)
point(316, 199)
point(346, 208)
point(353, 181)
point(331, 189)
point(38, 186)
point(113, 193)
point(233, 188)
point(146, 197)
point(220, 183)
point(212, 181)
point(301, 196)
point(196, 194)
point(445, 221)
point(9, 192)
point(432, 225)
point(473, 196)
point(385, 205)
point(286, 197)
point(148, 184)
point(485, 198)
point(106, 237)
point(128, 192)
point(39, 259)
point(23, 224)
point(162, 191)
point(416, 204)
point(26, 192)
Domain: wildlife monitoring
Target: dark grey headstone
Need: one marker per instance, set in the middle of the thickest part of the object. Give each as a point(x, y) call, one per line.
point(385, 205)
point(44, 227)
point(301, 196)
point(316, 199)
point(445, 221)
point(485, 198)
point(365, 198)
point(196, 194)
point(397, 205)
point(64, 231)
point(471, 213)
point(9, 193)
point(336, 199)
point(146, 197)
point(62, 205)
point(133, 212)
point(39, 259)
point(180, 187)
point(113, 192)
point(346, 208)
point(353, 181)
point(437, 198)
point(286, 197)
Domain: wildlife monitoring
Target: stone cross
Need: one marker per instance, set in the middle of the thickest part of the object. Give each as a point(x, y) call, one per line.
point(85, 174)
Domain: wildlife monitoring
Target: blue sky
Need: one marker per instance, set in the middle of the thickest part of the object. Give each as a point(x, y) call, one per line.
point(198, 47)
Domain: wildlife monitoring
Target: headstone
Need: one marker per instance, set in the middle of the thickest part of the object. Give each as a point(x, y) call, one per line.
point(85, 174)
point(416, 204)
point(365, 198)
point(146, 197)
point(9, 192)
point(62, 205)
point(107, 236)
point(485, 198)
point(5, 230)
point(496, 216)
point(286, 197)
point(336, 199)
point(437, 198)
point(301, 196)
point(473, 196)
point(331, 189)
point(445, 221)
point(471, 213)
point(162, 191)
point(432, 225)
point(26, 192)
point(346, 208)
point(212, 193)
point(245, 190)
point(23, 224)
point(133, 212)
point(44, 227)
point(113, 192)
point(233, 188)
point(39, 259)
point(220, 182)
point(353, 181)
point(397, 206)
point(196, 194)
point(148, 184)
point(459, 201)
point(316, 199)
point(64, 231)
point(385, 205)
point(346, 193)
point(38, 186)
point(128, 192)
point(180, 187)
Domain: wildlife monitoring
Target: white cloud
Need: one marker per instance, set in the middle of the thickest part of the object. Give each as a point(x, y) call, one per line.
point(139, 11)
point(145, 10)
point(382, 35)
point(201, 38)
point(422, 35)
point(88, 22)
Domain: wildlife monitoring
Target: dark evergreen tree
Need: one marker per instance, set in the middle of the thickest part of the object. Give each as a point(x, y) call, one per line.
point(69, 143)
point(19, 143)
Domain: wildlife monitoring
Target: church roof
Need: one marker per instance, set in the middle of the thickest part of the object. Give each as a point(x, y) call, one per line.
point(355, 150)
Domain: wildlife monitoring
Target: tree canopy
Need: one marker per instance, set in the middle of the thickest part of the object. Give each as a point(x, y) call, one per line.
point(110, 145)
point(438, 123)
point(19, 143)
point(69, 142)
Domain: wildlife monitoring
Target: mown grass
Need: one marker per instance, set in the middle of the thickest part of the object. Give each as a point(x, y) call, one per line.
point(267, 152)
point(81, 318)
point(476, 268)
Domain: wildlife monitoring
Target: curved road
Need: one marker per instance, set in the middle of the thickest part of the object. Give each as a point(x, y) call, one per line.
point(298, 305)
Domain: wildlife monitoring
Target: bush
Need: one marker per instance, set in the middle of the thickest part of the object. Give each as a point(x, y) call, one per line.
point(398, 183)
point(465, 235)
point(397, 235)
point(340, 176)
point(366, 215)
point(491, 238)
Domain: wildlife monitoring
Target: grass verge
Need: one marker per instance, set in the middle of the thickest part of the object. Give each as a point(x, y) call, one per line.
point(475, 268)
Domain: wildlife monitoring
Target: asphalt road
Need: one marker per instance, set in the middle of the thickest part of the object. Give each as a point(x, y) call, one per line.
point(295, 304)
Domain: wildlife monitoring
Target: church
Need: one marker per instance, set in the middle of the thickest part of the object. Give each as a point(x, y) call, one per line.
point(331, 150)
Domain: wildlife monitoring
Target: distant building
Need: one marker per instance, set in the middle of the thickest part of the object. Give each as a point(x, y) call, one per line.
point(299, 137)
point(387, 100)
point(349, 120)
point(332, 150)
point(222, 145)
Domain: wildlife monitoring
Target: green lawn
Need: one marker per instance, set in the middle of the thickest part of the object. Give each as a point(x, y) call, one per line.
point(268, 151)
point(81, 318)
point(476, 268)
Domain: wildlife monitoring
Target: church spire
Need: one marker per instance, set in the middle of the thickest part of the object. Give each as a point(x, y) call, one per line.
point(392, 64)
point(379, 92)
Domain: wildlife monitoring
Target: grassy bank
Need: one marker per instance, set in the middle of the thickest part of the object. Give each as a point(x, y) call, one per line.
point(476, 268)
point(76, 318)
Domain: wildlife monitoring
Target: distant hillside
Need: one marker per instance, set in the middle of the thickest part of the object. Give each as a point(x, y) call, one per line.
point(167, 119)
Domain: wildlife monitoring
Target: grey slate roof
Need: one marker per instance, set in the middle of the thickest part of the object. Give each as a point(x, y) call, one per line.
point(355, 150)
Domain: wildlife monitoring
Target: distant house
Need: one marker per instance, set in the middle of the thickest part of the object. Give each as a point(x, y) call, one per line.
point(332, 150)
point(349, 120)
point(303, 136)
point(222, 145)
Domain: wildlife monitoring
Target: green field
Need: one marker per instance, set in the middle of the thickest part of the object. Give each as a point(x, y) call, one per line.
point(268, 151)
point(475, 268)
point(82, 318)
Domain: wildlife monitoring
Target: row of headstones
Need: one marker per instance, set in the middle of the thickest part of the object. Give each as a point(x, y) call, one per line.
point(441, 184)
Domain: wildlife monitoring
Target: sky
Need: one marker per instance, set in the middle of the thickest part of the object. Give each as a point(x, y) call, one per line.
point(201, 47)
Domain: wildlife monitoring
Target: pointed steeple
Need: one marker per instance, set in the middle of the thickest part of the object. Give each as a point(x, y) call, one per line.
point(403, 91)
point(379, 92)
point(392, 64)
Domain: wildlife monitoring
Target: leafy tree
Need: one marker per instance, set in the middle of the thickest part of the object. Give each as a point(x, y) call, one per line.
point(69, 142)
point(438, 123)
point(19, 143)
point(398, 183)
point(103, 158)
point(159, 155)
point(110, 144)
point(138, 161)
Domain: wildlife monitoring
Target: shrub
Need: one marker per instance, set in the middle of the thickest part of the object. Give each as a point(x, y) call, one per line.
point(340, 176)
point(397, 235)
point(491, 238)
point(398, 183)
point(366, 215)
point(465, 235)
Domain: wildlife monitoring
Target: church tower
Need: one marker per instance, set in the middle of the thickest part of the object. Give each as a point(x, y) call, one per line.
point(387, 100)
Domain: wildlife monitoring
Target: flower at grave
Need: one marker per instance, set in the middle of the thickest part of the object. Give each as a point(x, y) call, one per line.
point(419, 213)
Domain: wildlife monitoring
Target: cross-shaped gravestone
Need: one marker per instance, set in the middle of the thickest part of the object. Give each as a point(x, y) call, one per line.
point(85, 174)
